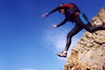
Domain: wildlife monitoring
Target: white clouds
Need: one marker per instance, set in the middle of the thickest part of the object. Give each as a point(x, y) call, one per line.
point(57, 39)
point(28, 69)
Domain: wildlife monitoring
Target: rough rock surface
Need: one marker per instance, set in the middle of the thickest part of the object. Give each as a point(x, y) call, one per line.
point(89, 52)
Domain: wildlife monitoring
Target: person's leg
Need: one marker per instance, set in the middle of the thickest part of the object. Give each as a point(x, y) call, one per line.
point(83, 22)
point(91, 28)
point(73, 32)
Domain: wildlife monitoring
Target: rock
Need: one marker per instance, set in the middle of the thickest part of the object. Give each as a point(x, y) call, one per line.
point(89, 52)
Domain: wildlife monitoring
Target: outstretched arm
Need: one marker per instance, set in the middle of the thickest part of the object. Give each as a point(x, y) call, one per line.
point(54, 10)
point(63, 22)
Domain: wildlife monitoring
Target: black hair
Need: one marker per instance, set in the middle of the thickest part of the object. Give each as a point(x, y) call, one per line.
point(60, 5)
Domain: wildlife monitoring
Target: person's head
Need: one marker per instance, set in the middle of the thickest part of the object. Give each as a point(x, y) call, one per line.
point(62, 11)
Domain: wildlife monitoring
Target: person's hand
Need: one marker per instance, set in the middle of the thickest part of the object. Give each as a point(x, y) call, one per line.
point(45, 15)
point(54, 26)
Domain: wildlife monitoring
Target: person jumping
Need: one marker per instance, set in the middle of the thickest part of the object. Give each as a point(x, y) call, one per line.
point(73, 14)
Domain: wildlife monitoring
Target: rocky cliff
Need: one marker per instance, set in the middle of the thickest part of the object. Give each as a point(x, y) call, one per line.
point(89, 52)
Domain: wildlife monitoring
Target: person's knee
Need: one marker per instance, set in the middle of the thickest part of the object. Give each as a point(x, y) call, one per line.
point(69, 36)
point(90, 30)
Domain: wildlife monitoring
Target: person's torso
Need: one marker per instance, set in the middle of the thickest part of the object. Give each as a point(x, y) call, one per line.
point(71, 13)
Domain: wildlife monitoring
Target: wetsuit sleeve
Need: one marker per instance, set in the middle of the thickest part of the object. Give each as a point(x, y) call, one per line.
point(65, 6)
point(56, 9)
point(63, 22)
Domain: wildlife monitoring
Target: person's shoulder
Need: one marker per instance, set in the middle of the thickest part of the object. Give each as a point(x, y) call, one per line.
point(72, 3)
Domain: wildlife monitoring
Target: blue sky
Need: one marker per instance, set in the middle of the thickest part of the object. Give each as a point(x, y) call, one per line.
point(27, 41)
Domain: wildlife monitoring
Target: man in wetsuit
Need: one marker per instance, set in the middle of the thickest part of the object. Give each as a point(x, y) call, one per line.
point(73, 14)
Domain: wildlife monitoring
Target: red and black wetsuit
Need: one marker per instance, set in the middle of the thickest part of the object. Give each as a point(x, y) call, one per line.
point(80, 20)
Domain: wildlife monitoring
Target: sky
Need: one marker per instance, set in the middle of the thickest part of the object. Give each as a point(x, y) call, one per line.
point(28, 41)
